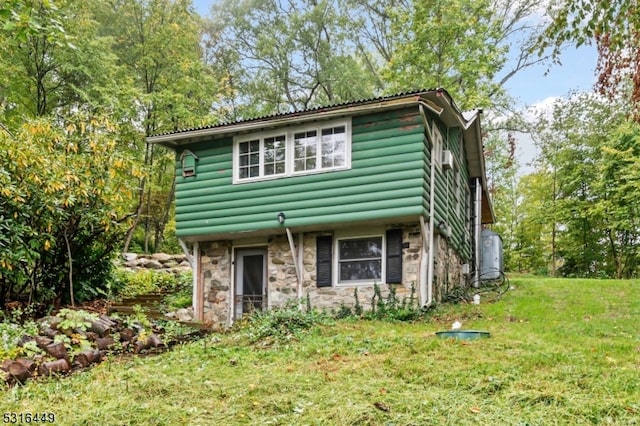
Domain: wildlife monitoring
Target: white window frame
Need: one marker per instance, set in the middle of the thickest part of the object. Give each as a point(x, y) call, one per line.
point(336, 259)
point(289, 134)
point(457, 185)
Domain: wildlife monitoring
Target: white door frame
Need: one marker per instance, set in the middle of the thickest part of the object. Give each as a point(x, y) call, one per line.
point(240, 254)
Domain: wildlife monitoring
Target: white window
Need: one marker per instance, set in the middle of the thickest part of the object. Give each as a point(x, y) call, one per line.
point(261, 157)
point(360, 260)
point(436, 138)
point(457, 193)
point(300, 150)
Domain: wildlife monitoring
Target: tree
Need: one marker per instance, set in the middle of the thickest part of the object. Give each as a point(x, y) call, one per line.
point(613, 26)
point(158, 46)
point(464, 46)
point(286, 56)
point(448, 44)
point(57, 67)
point(618, 207)
point(64, 202)
point(582, 145)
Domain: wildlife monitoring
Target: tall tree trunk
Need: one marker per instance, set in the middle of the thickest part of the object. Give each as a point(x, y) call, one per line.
point(165, 218)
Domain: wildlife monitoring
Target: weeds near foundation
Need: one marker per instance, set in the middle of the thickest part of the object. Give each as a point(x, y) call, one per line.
point(389, 308)
point(283, 324)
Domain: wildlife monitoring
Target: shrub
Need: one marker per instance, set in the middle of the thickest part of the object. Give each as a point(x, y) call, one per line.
point(66, 187)
point(283, 323)
point(126, 283)
point(391, 308)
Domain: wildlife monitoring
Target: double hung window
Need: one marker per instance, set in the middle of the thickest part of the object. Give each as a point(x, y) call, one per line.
point(360, 259)
point(364, 259)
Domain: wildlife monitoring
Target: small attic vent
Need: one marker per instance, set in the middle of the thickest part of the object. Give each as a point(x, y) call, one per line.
point(189, 161)
point(447, 159)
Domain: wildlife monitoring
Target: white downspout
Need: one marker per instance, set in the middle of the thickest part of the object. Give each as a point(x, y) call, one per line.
point(426, 280)
point(198, 293)
point(426, 290)
point(478, 230)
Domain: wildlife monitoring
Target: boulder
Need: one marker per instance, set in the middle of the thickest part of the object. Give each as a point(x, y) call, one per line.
point(128, 257)
point(161, 257)
point(184, 315)
point(149, 263)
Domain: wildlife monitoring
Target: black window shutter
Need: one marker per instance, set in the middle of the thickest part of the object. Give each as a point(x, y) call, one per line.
point(394, 256)
point(324, 248)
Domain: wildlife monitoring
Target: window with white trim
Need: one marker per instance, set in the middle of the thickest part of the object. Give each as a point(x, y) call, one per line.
point(261, 157)
point(436, 138)
point(300, 150)
point(360, 259)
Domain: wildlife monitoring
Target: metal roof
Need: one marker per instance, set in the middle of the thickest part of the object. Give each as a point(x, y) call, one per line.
point(308, 111)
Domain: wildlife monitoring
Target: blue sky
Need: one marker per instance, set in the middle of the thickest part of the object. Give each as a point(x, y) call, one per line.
point(576, 71)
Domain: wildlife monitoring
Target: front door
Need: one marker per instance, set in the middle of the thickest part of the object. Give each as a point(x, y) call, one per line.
point(251, 273)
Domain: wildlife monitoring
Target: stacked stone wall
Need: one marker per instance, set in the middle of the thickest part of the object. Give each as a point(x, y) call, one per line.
point(215, 272)
point(174, 263)
point(448, 269)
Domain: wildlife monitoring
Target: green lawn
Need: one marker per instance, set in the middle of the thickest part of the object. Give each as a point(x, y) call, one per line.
point(561, 352)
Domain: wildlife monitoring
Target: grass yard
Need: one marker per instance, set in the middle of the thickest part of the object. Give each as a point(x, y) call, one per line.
point(561, 352)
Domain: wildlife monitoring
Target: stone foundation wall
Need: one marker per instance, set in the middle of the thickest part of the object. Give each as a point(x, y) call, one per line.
point(283, 284)
point(448, 269)
point(216, 269)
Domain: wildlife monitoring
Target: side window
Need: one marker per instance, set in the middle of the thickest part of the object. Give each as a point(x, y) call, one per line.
point(436, 138)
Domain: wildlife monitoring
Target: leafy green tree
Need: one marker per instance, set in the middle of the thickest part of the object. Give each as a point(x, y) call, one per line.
point(581, 145)
point(58, 67)
point(287, 56)
point(533, 240)
point(169, 87)
point(448, 44)
point(461, 45)
point(64, 204)
point(617, 208)
point(613, 26)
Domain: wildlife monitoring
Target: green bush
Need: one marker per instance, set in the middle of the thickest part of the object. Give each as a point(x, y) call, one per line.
point(126, 283)
point(282, 324)
point(12, 329)
point(64, 203)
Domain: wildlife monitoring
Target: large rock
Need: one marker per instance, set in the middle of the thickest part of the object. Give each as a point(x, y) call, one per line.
point(161, 257)
point(184, 315)
point(129, 257)
point(149, 263)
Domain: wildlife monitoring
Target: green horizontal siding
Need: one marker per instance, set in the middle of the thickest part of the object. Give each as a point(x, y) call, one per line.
point(386, 180)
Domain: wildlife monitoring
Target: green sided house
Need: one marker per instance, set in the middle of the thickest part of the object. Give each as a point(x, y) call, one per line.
point(316, 203)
